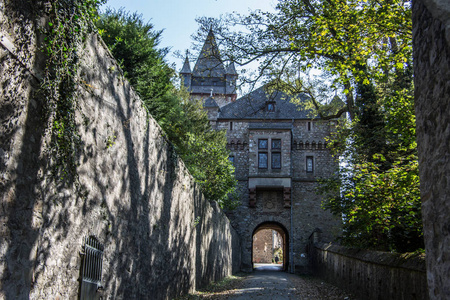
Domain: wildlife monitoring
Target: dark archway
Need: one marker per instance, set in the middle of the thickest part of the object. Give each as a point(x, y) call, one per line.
point(282, 231)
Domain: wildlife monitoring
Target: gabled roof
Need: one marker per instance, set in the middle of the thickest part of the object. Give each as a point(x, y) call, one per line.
point(253, 106)
point(210, 102)
point(209, 63)
point(186, 67)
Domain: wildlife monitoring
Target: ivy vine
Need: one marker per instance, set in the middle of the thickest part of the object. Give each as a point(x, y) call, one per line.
point(69, 22)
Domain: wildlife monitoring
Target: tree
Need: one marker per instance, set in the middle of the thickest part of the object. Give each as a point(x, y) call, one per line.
point(363, 51)
point(134, 44)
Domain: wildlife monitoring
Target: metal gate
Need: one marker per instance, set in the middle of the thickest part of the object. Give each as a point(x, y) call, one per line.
point(91, 273)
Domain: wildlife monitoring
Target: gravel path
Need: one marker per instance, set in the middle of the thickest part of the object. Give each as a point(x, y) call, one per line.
point(268, 282)
point(282, 286)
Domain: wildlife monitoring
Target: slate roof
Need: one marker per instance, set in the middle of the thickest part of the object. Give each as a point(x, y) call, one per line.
point(231, 70)
point(209, 63)
point(253, 106)
point(210, 102)
point(186, 67)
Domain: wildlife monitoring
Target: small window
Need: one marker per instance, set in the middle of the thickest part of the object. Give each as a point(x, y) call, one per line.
point(276, 160)
point(231, 126)
point(231, 158)
point(270, 106)
point(262, 144)
point(276, 144)
point(262, 160)
point(309, 126)
point(309, 164)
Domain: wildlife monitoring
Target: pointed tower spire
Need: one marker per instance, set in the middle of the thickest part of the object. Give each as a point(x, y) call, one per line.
point(186, 67)
point(186, 73)
point(209, 63)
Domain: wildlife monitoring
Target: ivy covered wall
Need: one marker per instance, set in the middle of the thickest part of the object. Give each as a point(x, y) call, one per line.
point(130, 189)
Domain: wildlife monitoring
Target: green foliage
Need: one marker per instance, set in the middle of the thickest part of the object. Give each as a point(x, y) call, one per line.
point(380, 209)
point(134, 43)
point(350, 41)
point(196, 221)
point(110, 141)
point(278, 252)
point(67, 26)
point(377, 191)
point(363, 49)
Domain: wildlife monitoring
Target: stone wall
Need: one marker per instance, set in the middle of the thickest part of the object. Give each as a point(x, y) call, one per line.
point(431, 42)
point(162, 238)
point(218, 251)
point(370, 274)
point(263, 246)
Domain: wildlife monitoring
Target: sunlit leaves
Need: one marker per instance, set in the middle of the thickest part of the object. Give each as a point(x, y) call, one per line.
point(381, 210)
point(363, 51)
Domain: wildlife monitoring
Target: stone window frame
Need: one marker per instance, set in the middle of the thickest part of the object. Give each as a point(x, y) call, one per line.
point(263, 151)
point(266, 160)
point(268, 152)
point(309, 126)
point(311, 159)
point(275, 151)
point(231, 126)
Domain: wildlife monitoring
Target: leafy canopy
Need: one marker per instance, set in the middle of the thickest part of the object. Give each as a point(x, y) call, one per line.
point(362, 53)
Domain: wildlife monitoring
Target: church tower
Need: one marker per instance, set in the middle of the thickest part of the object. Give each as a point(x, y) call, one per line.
point(210, 79)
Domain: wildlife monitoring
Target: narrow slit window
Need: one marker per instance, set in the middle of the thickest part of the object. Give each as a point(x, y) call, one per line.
point(309, 164)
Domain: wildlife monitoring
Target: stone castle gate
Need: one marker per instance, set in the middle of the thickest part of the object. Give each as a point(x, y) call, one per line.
point(278, 150)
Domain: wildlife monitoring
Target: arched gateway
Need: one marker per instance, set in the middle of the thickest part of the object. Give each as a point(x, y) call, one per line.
point(270, 244)
point(278, 150)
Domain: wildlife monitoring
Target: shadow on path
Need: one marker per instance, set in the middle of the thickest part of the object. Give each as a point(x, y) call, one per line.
point(267, 282)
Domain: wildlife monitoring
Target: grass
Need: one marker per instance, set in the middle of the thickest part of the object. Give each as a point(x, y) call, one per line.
point(217, 289)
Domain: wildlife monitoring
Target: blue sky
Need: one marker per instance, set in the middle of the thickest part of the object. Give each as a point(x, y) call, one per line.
point(177, 17)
